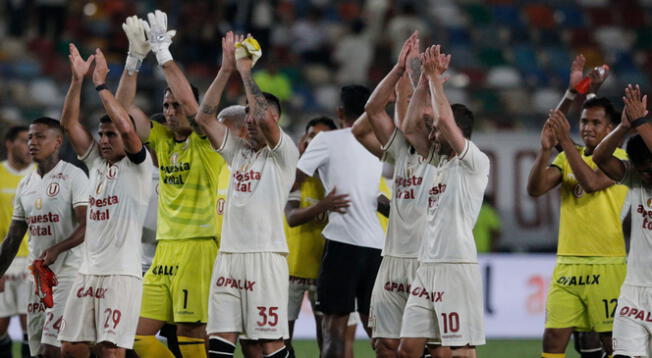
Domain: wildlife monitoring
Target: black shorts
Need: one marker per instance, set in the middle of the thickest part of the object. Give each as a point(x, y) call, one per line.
point(347, 274)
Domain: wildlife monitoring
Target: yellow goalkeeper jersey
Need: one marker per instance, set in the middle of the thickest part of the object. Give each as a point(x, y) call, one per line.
point(187, 186)
point(9, 179)
point(589, 224)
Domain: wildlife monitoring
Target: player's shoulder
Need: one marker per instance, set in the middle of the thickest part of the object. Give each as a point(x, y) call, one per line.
point(71, 169)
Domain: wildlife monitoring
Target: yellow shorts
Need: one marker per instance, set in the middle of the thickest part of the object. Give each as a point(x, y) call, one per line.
point(585, 295)
point(176, 286)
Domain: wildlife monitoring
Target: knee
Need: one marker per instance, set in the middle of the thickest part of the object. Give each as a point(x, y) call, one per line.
point(73, 350)
point(385, 348)
point(407, 352)
point(108, 350)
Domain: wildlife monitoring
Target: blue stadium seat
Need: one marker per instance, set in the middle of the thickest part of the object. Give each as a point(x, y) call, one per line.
point(525, 58)
point(508, 15)
point(570, 16)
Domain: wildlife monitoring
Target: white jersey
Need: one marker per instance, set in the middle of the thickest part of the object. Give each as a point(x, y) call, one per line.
point(343, 163)
point(47, 205)
point(410, 192)
point(456, 197)
point(119, 195)
point(258, 191)
point(639, 261)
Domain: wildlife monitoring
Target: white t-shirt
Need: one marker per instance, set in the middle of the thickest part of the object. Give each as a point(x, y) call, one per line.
point(258, 191)
point(47, 205)
point(639, 261)
point(410, 192)
point(455, 199)
point(117, 205)
point(342, 162)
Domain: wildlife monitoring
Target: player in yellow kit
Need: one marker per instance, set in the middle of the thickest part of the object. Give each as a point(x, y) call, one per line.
point(176, 287)
point(591, 250)
point(13, 300)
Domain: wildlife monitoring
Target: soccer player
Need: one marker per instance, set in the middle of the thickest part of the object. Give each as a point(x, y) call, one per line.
point(445, 307)
point(51, 205)
point(13, 300)
point(306, 212)
point(103, 309)
point(631, 328)
point(591, 250)
point(176, 287)
point(249, 291)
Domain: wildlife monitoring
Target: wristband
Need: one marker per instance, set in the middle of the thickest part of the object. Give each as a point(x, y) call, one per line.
point(639, 122)
point(570, 95)
point(133, 64)
point(163, 56)
point(590, 96)
point(101, 87)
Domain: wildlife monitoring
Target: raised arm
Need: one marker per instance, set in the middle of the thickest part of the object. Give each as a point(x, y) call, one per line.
point(636, 113)
point(603, 155)
point(364, 133)
point(413, 127)
point(138, 50)
point(50, 255)
point(590, 180)
point(296, 215)
point(114, 109)
point(206, 117)
point(160, 40)
point(381, 122)
point(11, 243)
point(258, 106)
point(402, 91)
point(544, 177)
point(79, 137)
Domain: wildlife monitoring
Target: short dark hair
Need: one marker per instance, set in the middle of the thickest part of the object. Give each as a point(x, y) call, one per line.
point(273, 100)
point(49, 122)
point(637, 151)
point(105, 119)
point(195, 91)
point(327, 121)
point(464, 119)
point(13, 133)
point(158, 117)
point(353, 99)
point(610, 111)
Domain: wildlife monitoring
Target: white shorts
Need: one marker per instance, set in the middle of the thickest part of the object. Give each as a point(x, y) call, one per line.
point(44, 324)
point(13, 301)
point(249, 295)
point(299, 287)
point(390, 294)
point(445, 305)
point(102, 309)
point(633, 321)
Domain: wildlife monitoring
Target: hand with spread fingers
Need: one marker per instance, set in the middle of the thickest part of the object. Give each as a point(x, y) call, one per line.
point(406, 50)
point(134, 28)
point(635, 104)
point(158, 35)
point(336, 202)
point(228, 51)
point(577, 71)
point(78, 66)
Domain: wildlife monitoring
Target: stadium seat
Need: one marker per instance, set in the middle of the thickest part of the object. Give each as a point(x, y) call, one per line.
point(491, 56)
point(478, 14)
point(503, 77)
point(569, 16)
point(601, 16)
point(525, 58)
point(508, 15)
point(540, 16)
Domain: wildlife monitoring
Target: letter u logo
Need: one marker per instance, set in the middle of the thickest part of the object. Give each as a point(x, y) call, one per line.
point(53, 189)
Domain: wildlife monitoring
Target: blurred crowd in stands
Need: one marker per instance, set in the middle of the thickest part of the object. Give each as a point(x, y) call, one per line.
point(510, 58)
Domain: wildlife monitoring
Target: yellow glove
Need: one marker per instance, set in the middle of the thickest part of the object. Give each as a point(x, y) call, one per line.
point(248, 48)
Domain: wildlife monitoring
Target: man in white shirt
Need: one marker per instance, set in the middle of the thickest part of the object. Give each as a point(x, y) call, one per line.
point(353, 239)
point(50, 203)
point(632, 321)
point(249, 291)
point(445, 307)
point(104, 307)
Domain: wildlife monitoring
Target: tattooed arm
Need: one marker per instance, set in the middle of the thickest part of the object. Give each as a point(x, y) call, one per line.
point(10, 245)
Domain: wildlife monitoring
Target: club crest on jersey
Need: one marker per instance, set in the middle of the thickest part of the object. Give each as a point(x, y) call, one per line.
point(112, 173)
point(174, 158)
point(578, 191)
point(221, 203)
point(38, 203)
point(53, 189)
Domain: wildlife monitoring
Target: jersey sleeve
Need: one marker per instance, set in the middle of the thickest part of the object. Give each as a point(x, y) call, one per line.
point(92, 156)
point(79, 188)
point(286, 153)
point(19, 210)
point(392, 149)
point(315, 155)
point(231, 145)
point(473, 159)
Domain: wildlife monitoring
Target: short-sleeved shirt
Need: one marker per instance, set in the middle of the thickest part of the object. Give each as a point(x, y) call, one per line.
point(258, 191)
point(189, 171)
point(9, 180)
point(410, 192)
point(117, 205)
point(456, 196)
point(589, 223)
point(343, 163)
point(305, 243)
point(47, 205)
point(222, 190)
point(639, 261)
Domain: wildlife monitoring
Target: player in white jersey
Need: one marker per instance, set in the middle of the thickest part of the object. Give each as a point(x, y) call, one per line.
point(633, 314)
point(407, 218)
point(445, 307)
point(249, 291)
point(50, 204)
point(105, 304)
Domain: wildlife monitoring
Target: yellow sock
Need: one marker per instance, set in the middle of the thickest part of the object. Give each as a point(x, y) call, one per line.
point(150, 347)
point(192, 347)
point(553, 355)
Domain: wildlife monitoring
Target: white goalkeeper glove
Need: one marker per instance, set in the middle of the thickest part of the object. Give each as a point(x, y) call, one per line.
point(138, 45)
point(158, 36)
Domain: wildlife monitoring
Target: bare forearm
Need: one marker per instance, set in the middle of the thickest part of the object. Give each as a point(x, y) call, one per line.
point(211, 101)
point(258, 106)
point(603, 154)
point(536, 181)
point(127, 88)
point(180, 87)
point(413, 127)
point(645, 131)
point(79, 137)
point(11, 243)
point(585, 175)
point(300, 216)
point(74, 240)
point(115, 111)
point(381, 94)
